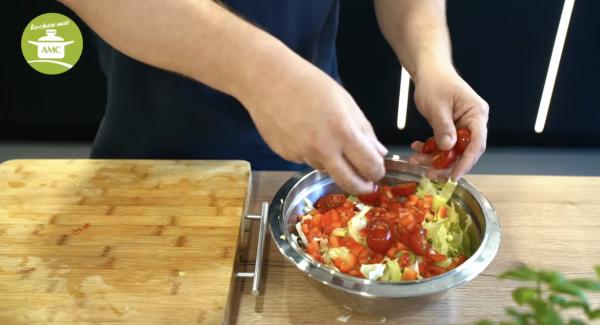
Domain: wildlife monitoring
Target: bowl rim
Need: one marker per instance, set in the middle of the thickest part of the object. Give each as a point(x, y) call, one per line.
point(315, 270)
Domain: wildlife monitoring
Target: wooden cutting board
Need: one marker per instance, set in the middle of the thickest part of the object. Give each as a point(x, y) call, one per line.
point(128, 241)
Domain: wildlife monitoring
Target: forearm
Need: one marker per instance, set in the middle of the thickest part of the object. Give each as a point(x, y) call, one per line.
point(199, 39)
point(417, 32)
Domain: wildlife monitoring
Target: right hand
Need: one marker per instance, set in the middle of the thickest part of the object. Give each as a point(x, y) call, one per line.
point(307, 117)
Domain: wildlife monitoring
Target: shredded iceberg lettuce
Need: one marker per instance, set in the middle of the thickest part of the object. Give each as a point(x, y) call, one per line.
point(426, 187)
point(447, 236)
point(395, 272)
point(372, 271)
point(340, 232)
point(440, 196)
point(358, 223)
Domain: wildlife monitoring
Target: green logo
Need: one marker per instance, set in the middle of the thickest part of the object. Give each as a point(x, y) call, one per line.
point(51, 43)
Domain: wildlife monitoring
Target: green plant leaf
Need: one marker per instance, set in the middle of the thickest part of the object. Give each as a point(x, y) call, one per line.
point(551, 277)
point(574, 304)
point(485, 322)
point(524, 295)
point(576, 322)
point(557, 299)
point(523, 273)
point(520, 319)
point(544, 313)
point(587, 284)
point(597, 268)
point(562, 302)
point(569, 289)
point(594, 314)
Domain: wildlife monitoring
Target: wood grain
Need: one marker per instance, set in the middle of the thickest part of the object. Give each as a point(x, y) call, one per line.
point(547, 222)
point(137, 242)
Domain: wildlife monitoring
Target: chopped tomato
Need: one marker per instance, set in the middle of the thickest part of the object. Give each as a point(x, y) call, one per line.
point(345, 264)
point(316, 220)
point(355, 273)
point(401, 247)
point(411, 200)
point(435, 256)
point(424, 270)
point(457, 261)
point(329, 217)
point(409, 275)
point(314, 249)
point(377, 258)
point(435, 270)
point(395, 207)
point(305, 229)
point(355, 247)
point(334, 241)
point(418, 244)
point(391, 252)
point(404, 260)
point(442, 212)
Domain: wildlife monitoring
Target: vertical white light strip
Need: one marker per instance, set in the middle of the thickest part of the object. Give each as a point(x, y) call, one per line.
point(559, 43)
point(403, 99)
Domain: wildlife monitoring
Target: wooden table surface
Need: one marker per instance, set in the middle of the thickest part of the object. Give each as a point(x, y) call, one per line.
point(119, 241)
point(547, 222)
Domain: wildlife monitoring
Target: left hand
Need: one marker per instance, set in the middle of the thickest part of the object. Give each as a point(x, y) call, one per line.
point(448, 102)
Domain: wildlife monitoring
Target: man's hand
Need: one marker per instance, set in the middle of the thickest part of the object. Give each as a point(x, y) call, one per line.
point(447, 102)
point(307, 117)
point(417, 32)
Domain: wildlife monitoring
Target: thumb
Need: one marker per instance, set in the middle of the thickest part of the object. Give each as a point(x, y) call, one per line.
point(444, 130)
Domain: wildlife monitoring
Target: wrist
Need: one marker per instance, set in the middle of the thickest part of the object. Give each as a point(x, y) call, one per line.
point(266, 68)
point(432, 66)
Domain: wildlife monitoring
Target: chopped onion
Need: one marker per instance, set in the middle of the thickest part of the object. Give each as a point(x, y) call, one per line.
point(301, 234)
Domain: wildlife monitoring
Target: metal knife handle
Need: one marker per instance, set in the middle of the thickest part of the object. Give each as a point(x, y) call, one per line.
point(264, 213)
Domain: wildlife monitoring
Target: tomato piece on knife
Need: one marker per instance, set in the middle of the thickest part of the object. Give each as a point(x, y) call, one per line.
point(429, 146)
point(379, 236)
point(444, 159)
point(463, 138)
point(330, 201)
point(370, 198)
point(404, 189)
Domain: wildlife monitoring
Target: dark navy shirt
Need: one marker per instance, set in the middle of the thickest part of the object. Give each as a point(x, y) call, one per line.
point(153, 113)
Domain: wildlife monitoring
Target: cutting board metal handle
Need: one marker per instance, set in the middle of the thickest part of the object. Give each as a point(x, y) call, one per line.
point(264, 213)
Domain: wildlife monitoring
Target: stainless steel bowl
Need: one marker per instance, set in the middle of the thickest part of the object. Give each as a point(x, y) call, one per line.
point(377, 297)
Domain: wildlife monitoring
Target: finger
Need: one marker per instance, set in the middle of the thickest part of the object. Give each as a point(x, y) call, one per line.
point(314, 164)
point(420, 160)
point(473, 152)
point(368, 129)
point(381, 148)
point(364, 158)
point(437, 174)
point(417, 146)
point(346, 177)
point(444, 130)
